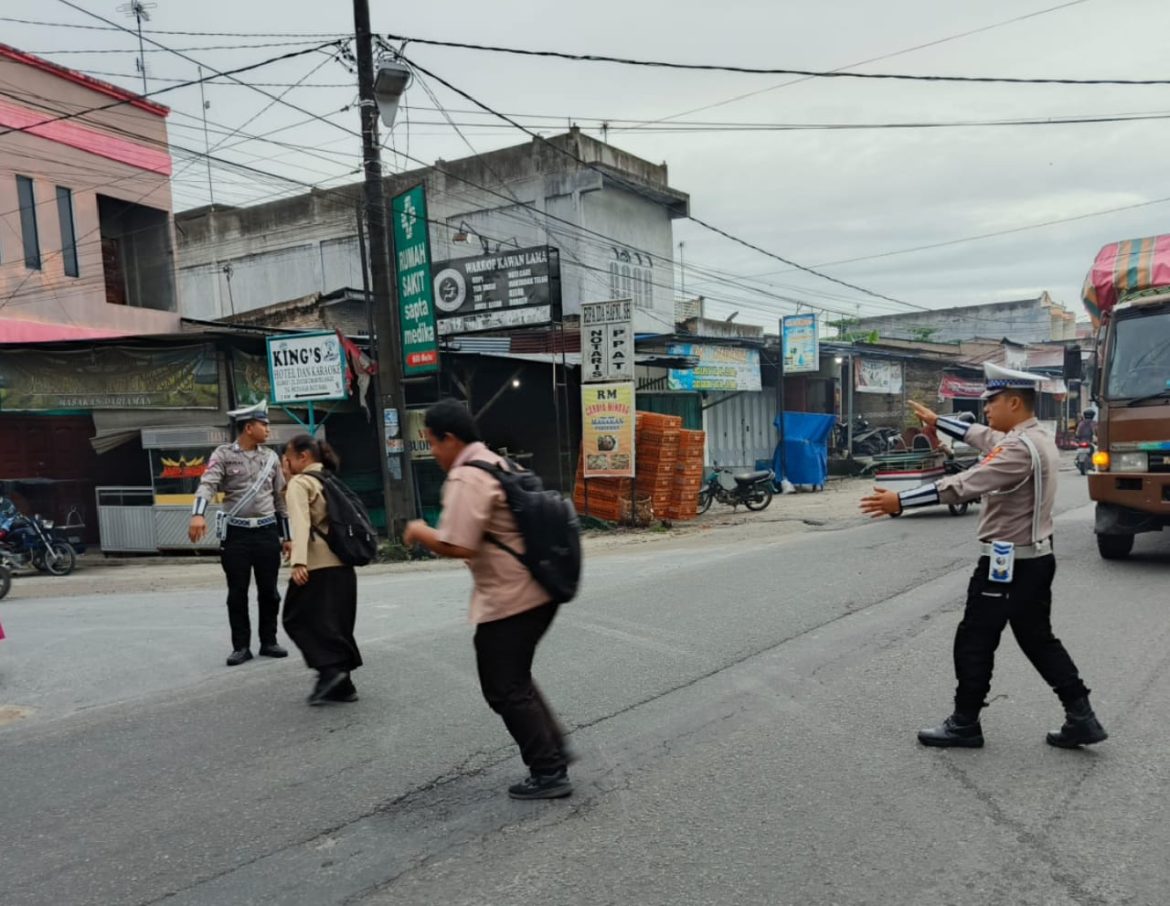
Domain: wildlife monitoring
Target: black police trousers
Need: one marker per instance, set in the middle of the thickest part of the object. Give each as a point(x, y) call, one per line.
point(246, 551)
point(1026, 604)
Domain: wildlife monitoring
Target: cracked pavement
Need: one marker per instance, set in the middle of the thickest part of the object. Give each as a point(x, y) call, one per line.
point(743, 703)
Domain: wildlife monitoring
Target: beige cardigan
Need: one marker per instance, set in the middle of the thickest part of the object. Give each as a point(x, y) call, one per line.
point(306, 510)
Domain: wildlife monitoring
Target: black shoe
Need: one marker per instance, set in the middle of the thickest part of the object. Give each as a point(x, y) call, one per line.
point(273, 650)
point(953, 733)
point(238, 657)
point(346, 692)
point(1081, 727)
point(542, 786)
point(328, 681)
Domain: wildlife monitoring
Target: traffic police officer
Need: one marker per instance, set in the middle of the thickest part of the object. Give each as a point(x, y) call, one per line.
point(252, 527)
point(1012, 583)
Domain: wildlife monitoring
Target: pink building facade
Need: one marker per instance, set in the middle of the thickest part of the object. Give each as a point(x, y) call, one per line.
point(86, 226)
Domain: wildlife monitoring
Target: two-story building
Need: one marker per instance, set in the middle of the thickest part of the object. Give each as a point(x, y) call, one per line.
point(86, 232)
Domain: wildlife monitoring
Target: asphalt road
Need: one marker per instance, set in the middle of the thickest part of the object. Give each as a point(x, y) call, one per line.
point(744, 711)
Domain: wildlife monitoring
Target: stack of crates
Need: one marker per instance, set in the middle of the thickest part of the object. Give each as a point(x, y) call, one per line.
point(688, 476)
point(657, 458)
point(605, 494)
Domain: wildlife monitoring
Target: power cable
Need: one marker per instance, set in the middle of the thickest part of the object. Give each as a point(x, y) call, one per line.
point(877, 59)
point(633, 187)
point(754, 70)
point(163, 31)
point(107, 50)
point(164, 90)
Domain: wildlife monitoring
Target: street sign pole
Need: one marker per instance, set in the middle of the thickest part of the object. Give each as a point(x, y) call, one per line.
point(389, 395)
point(780, 407)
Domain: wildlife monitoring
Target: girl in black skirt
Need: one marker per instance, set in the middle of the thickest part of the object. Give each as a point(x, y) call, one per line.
point(320, 605)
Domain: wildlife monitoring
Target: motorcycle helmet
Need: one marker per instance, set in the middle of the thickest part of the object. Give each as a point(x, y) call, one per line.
point(1089, 414)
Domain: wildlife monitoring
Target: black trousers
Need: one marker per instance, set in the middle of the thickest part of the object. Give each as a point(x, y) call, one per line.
point(246, 551)
point(1025, 604)
point(319, 617)
point(504, 650)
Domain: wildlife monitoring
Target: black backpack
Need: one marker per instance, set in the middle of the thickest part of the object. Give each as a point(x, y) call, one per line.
point(548, 522)
point(351, 535)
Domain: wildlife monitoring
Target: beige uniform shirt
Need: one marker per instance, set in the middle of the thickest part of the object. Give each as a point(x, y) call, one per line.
point(306, 511)
point(1004, 479)
point(474, 505)
point(233, 471)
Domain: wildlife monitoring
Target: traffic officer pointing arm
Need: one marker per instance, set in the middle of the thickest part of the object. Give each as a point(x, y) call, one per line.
point(1012, 582)
point(252, 527)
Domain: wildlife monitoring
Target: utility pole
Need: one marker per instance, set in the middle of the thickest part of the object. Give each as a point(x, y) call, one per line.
point(389, 395)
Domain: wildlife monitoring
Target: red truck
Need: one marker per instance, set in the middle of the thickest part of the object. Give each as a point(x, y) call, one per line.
point(1127, 294)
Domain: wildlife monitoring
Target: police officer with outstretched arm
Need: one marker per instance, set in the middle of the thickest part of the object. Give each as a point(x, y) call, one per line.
point(252, 527)
point(1012, 583)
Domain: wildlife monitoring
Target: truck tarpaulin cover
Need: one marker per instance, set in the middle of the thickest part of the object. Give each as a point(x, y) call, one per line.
point(806, 448)
point(1123, 268)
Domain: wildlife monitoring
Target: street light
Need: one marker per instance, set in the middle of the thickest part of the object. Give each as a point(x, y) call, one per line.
point(390, 83)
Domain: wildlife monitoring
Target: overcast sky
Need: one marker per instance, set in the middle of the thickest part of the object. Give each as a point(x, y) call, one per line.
point(815, 197)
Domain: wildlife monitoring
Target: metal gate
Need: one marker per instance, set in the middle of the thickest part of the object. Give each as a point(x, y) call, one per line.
point(740, 429)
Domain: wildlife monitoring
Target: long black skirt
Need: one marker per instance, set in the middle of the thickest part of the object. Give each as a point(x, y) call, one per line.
point(319, 618)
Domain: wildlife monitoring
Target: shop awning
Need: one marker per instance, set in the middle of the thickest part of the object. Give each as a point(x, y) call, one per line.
point(16, 331)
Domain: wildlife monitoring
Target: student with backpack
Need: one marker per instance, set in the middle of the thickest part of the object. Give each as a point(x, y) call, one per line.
point(320, 606)
point(509, 531)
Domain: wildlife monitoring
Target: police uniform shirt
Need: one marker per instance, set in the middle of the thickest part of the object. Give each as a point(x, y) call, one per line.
point(1003, 478)
point(233, 471)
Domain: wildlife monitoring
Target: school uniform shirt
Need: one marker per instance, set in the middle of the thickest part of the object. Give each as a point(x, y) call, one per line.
point(475, 506)
point(306, 511)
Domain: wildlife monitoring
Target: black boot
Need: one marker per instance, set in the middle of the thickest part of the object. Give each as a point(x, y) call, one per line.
point(957, 731)
point(1081, 727)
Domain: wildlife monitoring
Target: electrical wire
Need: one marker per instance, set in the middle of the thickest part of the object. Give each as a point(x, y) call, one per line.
point(135, 51)
point(877, 59)
point(635, 188)
point(473, 100)
point(162, 31)
point(754, 70)
point(164, 90)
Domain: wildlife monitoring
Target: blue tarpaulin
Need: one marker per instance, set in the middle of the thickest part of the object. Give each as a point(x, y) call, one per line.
point(806, 447)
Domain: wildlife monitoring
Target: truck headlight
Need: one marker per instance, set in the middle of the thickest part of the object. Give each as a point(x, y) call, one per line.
point(1131, 462)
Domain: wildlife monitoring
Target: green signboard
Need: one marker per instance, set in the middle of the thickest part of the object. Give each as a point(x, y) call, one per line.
point(416, 291)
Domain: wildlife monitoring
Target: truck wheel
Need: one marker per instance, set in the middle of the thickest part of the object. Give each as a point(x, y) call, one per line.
point(1114, 547)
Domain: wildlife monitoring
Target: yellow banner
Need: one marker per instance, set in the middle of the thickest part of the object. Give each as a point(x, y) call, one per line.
point(607, 430)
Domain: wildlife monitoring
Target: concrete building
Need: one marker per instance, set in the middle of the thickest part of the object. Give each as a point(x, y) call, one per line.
point(86, 246)
point(1024, 321)
point(611, 220)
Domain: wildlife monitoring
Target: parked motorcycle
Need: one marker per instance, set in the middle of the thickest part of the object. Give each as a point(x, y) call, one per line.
point(867, 439)
point(1084, 457)
point(752, 489)
point(32, 542)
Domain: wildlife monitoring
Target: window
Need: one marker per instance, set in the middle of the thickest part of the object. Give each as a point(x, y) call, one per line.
point(28, 222)
point(68, 232)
